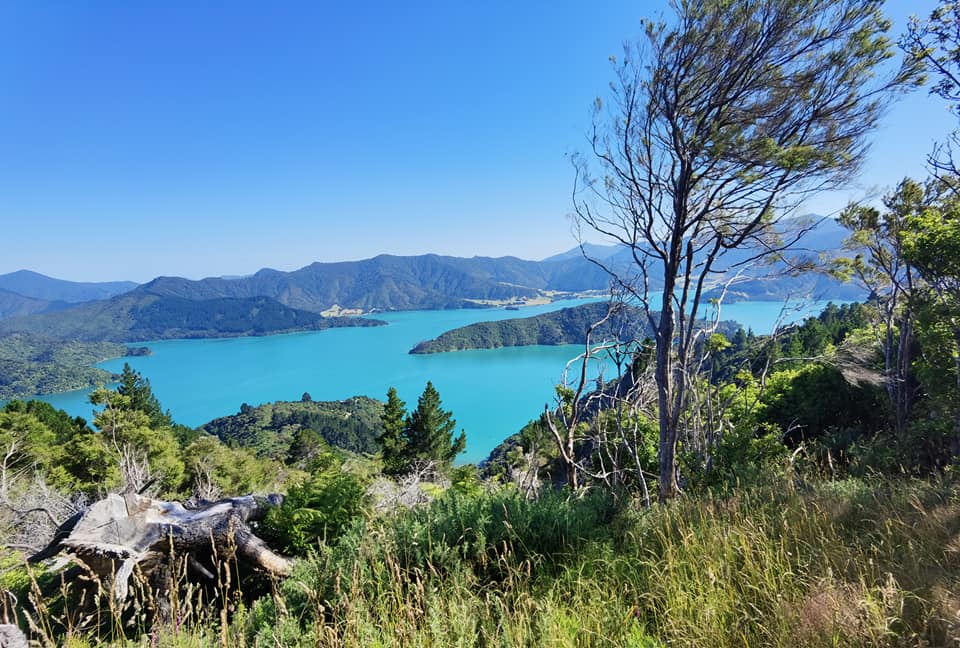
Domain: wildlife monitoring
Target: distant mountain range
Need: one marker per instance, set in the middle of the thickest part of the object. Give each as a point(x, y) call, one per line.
point(273, 301)
point(592, 250)
point(27, 283)
point(769, 281)
point(390, 282)
point(25, 293)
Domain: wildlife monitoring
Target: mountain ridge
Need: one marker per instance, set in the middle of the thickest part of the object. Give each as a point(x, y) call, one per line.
point(29, 283)
point(390, 282)
point(14, 304)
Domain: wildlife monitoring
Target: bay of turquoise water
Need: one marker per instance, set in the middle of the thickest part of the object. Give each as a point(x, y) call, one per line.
point(492, 393)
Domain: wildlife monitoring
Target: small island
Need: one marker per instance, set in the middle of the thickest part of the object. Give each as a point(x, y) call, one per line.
point(566, 326)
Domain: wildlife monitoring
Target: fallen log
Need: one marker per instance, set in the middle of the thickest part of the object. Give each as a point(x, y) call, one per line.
point(123, 532)
point(12, 637)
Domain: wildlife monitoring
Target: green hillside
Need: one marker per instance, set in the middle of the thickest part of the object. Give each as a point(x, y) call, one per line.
point(272, 429)
point(13, 304)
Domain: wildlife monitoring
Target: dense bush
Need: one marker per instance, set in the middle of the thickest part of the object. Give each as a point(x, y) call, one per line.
point(316, 510)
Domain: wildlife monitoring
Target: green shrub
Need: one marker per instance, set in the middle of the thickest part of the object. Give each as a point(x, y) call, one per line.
point(490, 531)
point(318, 509)
point(742, 458)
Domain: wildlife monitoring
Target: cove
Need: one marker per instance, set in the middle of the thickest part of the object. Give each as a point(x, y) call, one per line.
point(492, 392)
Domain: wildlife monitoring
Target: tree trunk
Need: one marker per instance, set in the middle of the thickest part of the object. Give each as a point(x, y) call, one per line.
point(665, 397)
point(891, 369)
point(570, 461)
point(956, 410)
point(565, 444)
point(904, 387)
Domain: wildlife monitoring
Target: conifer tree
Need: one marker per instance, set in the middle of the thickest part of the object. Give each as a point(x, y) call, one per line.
point(429, 430)
point(137, 388)
point(393, 440)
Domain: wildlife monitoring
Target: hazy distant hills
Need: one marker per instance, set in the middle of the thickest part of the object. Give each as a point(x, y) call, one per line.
point(758, 282)
point(13, 304)
point(138, 316)
point(41, 287)
point(25, 292)
point(812, 285)
point(592, 250)
point(431, 281)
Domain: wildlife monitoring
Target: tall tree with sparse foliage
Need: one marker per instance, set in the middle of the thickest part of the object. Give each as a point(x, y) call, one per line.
point(877, 239)
point(932, 245)
point(934, 44)
point(719, 124)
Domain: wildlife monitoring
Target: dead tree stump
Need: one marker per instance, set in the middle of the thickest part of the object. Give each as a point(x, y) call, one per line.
point(121, 533)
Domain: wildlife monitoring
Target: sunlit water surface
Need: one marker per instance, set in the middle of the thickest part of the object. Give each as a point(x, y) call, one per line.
point(492, 393)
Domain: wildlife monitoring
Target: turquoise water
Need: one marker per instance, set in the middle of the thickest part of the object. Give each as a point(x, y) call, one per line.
point(492, 393)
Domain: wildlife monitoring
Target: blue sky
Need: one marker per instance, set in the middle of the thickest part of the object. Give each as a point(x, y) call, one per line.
point(194, 139)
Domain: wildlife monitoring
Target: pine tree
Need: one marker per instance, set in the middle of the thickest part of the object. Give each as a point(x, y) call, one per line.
point(142, 398)
point(393, 440)
point(429, 430)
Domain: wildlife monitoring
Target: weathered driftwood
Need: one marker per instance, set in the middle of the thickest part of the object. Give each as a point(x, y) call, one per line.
point(12, 637)
point(121, 532)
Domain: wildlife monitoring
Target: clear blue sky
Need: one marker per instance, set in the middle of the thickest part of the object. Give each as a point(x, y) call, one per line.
point(195, 139)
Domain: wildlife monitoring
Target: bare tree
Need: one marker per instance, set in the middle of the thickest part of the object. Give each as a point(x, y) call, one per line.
point(31, 513)
point(719, 126)
point(934, 44)
point(565, 420)
point(135, 471)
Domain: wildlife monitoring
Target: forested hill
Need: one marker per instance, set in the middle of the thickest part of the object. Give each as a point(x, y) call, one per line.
point(37, 286)
point(277, 430)
point(138, 316)
point(33, 365)
point(395, 283)
point(566, 326)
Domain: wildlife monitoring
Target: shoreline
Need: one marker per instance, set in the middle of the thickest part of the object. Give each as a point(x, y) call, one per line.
point(135, 348)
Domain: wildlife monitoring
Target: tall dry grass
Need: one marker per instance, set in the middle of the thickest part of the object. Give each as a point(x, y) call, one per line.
point(843, 563)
